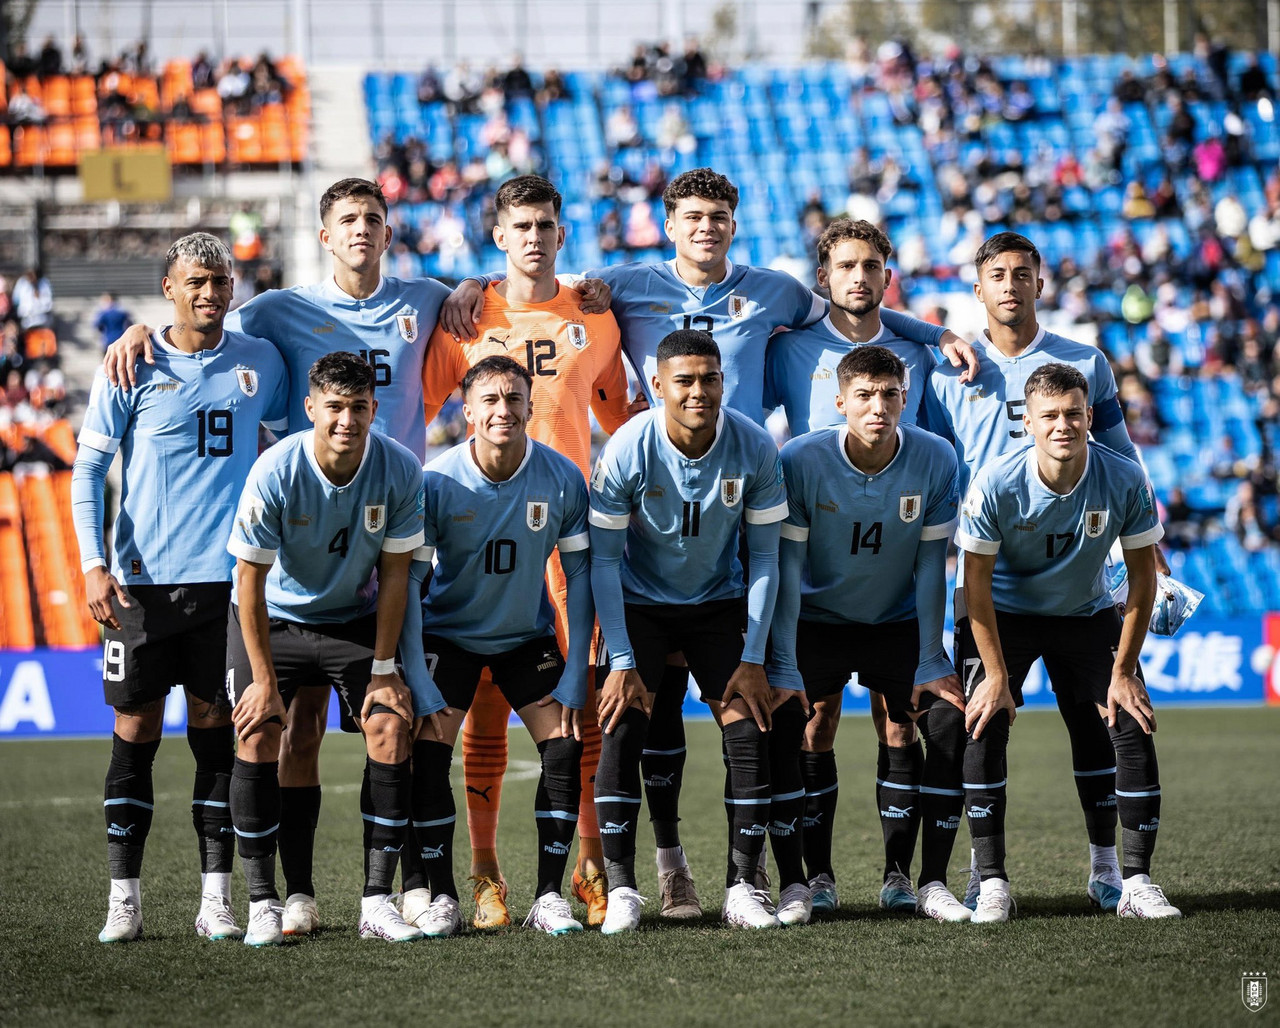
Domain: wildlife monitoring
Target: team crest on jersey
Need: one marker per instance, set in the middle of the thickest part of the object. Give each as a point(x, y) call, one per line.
point(1095, 523)
point(909, 508)
point(247, 379)
point(577, 334)
point(375, 517)
point(535, 515)
point(737, 305)
point(730, 491)
point(408, 326)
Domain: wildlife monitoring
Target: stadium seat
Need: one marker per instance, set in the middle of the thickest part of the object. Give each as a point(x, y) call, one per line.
point(30, 145)
point(6, 154)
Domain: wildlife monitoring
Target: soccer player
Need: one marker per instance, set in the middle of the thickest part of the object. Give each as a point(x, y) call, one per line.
point(575, 362)
point(872, 505)
point(326, 528)
point(801, 376)
point(674, 487)
point(1036, 527)
point(984, 419)
point(187, 435)
point(741, 308)
point(497, 506)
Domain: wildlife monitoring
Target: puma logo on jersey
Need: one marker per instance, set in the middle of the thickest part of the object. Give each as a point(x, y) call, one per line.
point(821, 375)
point(656, 493)
point(302, 520)
point(466, 515)
point(324, 329)
point(482, 793)
point(660, 308)
point(830, 508)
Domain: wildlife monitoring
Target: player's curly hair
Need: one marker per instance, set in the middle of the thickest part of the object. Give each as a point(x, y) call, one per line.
point(348, 188)
point(687, 342)
point(524, 191)
point(870, 362)
point(341, 372)
point(200, 248)
point(846, 228)
point(702, 183)
point(1056, 380)
point(492, 367)
point(1005, 242)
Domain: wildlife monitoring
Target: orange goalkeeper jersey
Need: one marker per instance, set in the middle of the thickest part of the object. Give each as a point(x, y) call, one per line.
point(575, 360)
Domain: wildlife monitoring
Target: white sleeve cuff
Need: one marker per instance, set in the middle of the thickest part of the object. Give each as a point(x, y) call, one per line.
point(602, 520)
point(100, 442)
point(769, 516)
point(424, 554)
point(796, 533)
point(1137, 542)
point(975, 545)
point(403, 545)
point(573, 543)
point(930, 532)
point(92, 562)
point(253, 554)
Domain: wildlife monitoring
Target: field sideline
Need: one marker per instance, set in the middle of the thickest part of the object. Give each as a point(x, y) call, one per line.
point(1055, 963)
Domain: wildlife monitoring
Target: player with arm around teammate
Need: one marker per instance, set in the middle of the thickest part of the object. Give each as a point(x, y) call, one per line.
point(323, 538)
point(497, 506)
point(1036, 527)
point(187, 436)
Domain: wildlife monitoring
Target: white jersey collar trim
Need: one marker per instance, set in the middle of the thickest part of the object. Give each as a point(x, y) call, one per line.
point(159, 342)
point(666, 439)
point(844, 434)
point(309, 445)
point(333, 291)
point(475, 466)
point(1033, 470)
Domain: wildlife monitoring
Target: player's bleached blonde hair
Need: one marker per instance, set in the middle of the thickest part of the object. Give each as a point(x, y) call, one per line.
point(201, 248)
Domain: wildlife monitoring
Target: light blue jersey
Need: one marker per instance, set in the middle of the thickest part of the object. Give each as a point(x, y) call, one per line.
point(1051, 549)
point(682, 516)
point(390, 330)
point(492, 541)
point(800, 373)
point(188, 435)
point(863, 531)
point(322, 540)
point(984, 417)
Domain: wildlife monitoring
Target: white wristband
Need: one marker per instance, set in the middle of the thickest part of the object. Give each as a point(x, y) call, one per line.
point(383, 667)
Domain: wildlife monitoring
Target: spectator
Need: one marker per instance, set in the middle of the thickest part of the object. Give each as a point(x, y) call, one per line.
point(517, 82)
point(111, 320)
point(24, 109)
point(50, 60)
point(202, 72)
point(429, 90)
point(233, 85)
point(1136, 203)
point(33, 301)
point(621, 129)
point(642, 231)
point(553, 88)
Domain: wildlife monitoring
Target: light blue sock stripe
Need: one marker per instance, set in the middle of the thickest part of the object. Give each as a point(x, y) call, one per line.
point(257, 835)
point(388, 821)
point(120, 801)
point(618, 799)
point(1137, 795)
point(208, 803)
point(823, 792)
point(896, 785)
point(664, 753)
point(986, 785)
point(559, 815)
point(929, 790)
point(1095, 774)
point(436, 823)
point(763, 801)
point(784, 796)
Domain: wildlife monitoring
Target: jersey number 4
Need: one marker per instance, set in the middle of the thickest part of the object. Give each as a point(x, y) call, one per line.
point(213, 433)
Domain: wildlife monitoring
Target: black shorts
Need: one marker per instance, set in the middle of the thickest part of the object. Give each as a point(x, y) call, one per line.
point(169, 635)
point(309, 656)
point(523, 675)
point(1078, 653)
point(884, 656)
point(708, 634)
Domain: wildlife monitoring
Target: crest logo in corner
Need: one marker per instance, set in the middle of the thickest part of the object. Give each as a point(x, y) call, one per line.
point(1253, 990)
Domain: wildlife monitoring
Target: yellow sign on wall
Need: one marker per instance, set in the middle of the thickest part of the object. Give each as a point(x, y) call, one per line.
point(129, 175)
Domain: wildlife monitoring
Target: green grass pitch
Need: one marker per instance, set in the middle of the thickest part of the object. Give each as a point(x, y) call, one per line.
point(1056, 963)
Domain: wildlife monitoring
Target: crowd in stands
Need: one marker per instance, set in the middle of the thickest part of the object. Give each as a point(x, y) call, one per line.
point(33, 390)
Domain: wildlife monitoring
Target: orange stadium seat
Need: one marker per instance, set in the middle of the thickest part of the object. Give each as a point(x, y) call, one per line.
point(80, 605)
point(6, 155)
point(183, 142)
point(30, 147)
point(41, 342)
point(62, 145)
point(213, 144)
point(51, 568)
point(17, 627)
point(88, 133)
point(57, 96)
point(84, 96)
point(275, 134)
point(244, 140)
point(145, 92)
point(207, 102)
point(60, 437)
point(120, 82)
point(30, 86)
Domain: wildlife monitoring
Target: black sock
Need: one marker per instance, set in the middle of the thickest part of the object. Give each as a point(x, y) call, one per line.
point(662, 760)
point(299, 814)
point(898, 800)
point(984, 794)
point(428, 862)
point(618, 796)
point(1137, 793)
point(786, 806)
point(386, 815)
point(748, 750)
point(941, 788)
point(1094, 762)
point(214, 752)
point(556, 809)
point(255, 812)
point(128, 802)
point(821, 791)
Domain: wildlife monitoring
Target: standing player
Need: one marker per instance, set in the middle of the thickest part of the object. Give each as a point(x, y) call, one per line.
point(327, 525)
point(575, 362)
point(1036, 528)
point(522, 500)
point(875, 605)
point(801, 376)
point(741, 308)
point(188, 435)
point(675, 486)
point(984, 418)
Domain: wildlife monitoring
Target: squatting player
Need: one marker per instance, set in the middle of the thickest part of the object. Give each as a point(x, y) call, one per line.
point(325, 531)
point(575, 362)
point(187, 435)
point(1036, 527)
point(496, 508)
point(674, 487)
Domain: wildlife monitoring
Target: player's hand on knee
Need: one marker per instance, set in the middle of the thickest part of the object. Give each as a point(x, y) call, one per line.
point(430, 727)
point(594, 295)
point(781, 696)
point(99, 586)
point(620, 690)
point(752, 685)
point(1127, 691)
point(390, 692)
point(945, 688)
point(258, 704)
point(461, 310)
point(122, 355)
point(990, 697)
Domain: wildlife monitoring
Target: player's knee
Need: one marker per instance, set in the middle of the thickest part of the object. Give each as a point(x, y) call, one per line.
point(898, 734)
point(386, 737)
point(1133, 747)
point(561, 758)
point(820, 731)
point(143, 722)
point(262, 747)
point(300, 744)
